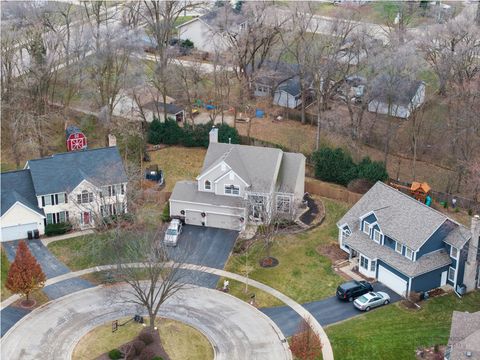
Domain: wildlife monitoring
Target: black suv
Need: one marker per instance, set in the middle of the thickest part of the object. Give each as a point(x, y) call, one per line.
point(353, 289)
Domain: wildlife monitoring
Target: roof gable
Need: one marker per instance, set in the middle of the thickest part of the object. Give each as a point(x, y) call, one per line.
point(17, 186)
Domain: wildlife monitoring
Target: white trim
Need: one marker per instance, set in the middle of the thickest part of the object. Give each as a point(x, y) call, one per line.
point(411, 251)
point(231, 171)
point(25, 206)
point(381, 236)
point(454, 257)
point(231, 186)
point(205, 185)
point(81, 182)
point(213, 168)
point(454, 274)
point(401, 247)
point(363, 226)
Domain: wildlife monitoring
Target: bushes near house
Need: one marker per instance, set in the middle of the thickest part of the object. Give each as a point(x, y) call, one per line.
point(337, 166)
point(57, 229)
point(115, 354)
point(166, 212)
point(170, 133)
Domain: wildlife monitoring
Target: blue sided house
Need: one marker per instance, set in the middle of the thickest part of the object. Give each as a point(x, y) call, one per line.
point(407, 245)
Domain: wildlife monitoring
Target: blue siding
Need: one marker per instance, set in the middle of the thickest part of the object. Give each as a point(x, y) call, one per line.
point(370, 219)
point(404, 250)
point(428, 281)
point(393, 270)
point(435, 242)
point(388, 242)
point(461, 264)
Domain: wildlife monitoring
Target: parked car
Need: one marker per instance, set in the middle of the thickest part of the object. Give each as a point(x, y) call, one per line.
point(353, 289)
point(172, 233)
point(371, 300)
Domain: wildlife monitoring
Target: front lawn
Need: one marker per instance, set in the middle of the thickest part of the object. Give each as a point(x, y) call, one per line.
point(4, 264)
point(393, 332)
point(302, 273)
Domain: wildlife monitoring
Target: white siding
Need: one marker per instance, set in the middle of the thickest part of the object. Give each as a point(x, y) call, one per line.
point(202, 36)
point(282, 98)
point(20, 216)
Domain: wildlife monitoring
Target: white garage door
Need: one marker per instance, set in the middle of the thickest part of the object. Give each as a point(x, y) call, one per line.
point(223, 221)
point(391, 280)
point(193, 217)
point(17, 232)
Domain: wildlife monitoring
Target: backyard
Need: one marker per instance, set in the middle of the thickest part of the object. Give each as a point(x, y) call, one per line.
point(394, 332)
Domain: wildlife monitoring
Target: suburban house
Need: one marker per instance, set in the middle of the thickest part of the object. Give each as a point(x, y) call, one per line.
point(464, 341)
point(76, 187)
point(240, 184)
point(407, 245)
point(208, 32)
point(396, 96)
point(281, 82)
point(142, 106)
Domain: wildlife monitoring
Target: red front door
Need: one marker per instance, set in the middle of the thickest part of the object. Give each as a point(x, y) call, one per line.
point(86, 218)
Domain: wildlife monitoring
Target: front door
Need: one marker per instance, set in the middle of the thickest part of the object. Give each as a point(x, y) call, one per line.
point(86, 218)
point(443, 281)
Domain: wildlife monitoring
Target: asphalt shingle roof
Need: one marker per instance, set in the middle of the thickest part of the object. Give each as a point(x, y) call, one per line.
point(400, 89)
point(188, 191)
point(399, 216)
point(158, 106)
point(360, 242)
point(18, 186)
point(65, 171)
point(289, 172)
point(223, 18)
point(465, 335)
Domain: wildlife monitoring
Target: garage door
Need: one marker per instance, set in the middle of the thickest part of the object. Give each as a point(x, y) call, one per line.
point(17, 232)
point(193, 217)
point(223, 221)
point(392, 281)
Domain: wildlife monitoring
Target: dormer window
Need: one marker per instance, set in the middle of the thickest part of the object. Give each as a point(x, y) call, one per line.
point(232, 190)
point(454, 252)
point(377, 236)
point(366, 228)
point(208, 185)
point(398, 247)
point(408, 253)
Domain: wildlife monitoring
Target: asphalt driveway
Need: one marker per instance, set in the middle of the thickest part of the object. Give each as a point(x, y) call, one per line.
point(205, 246)
point(327, 311)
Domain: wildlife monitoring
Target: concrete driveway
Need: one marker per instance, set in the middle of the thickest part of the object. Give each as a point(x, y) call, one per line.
point(51, 332)
point(327, 311)
point(203, 246)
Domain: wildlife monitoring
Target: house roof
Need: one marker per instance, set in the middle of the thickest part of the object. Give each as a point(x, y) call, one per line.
point(65, 171)
point(400, 89)
point(223, 18)
point(289, 170)
point(188, 191)
point(258, 166)
point(399, 216)
point(282, 75)
point(158, 106)
point(360, 242)
point(465, 335)
point(18, 186)
point(458, 237)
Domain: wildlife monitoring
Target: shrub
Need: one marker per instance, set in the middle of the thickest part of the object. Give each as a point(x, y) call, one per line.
point(334, 165)
point(226, 132)
point(371, 170)
point(57, 229)
point(157, 358)
point(187, 43)
point(138, 345)
point(115, 354)
point(166, 212)
point(305, 345)
point(146, 336)
point(147, 354)
point(167, 132)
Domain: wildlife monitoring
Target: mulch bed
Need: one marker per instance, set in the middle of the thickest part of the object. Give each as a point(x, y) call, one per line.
point(436, 292)
point(308, 216)
point(430, 354)
point(268, 262)
point(333, 252)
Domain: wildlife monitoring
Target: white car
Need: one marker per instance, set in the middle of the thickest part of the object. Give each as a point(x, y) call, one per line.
point(371, 300)
point(172, 233)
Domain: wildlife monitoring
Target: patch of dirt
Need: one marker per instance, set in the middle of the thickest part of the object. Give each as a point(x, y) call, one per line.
point(268, 262)
point(407, 304)
point(333, 252)
point(436, 292)
point(431, 353)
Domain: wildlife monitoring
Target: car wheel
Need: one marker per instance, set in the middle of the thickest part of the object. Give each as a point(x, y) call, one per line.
point(386, 302)
point(367, 308)
point(350, 299)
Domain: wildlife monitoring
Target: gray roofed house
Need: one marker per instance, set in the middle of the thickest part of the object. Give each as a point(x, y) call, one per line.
point(464, 341)
point(237, 183)
point(18, 186)
point(404, 243)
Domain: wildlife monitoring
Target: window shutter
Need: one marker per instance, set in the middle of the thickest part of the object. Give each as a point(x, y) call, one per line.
point(66, 200)
point(79, 198)
point(43, 201)
point(90, 197)
point(56, 199)
point(52, 199)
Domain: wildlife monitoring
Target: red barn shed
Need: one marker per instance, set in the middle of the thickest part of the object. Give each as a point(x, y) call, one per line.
point(76, 139)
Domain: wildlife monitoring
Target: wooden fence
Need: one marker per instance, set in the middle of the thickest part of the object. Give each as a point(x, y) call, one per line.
point(316, 187)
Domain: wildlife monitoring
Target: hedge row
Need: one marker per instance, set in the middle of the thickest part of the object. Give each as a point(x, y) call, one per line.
point(337, 166)
point(170, 133)
point(57, 229)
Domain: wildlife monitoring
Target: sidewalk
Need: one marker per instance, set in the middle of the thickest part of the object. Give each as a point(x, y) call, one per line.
point(50, 239)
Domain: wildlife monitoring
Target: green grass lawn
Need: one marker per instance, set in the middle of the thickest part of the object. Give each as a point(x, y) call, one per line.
point(394, 332)
point(302, 273)
point(4, 272)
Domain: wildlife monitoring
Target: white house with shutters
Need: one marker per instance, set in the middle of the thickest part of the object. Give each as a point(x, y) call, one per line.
point(76, 187)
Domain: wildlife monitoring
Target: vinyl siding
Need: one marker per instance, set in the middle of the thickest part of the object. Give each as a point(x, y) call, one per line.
point(370, 219)
point(428, 281)
point(435, 242)
point(461, 264)
point(389, 242)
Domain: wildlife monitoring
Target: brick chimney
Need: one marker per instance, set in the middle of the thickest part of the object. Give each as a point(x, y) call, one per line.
point(471, 266)
point(213, 135)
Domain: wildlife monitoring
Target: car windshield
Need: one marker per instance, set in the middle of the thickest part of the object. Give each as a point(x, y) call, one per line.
point(362, 299)
point(171, 232)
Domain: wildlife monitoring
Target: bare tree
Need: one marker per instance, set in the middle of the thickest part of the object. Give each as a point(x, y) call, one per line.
point(417, 129)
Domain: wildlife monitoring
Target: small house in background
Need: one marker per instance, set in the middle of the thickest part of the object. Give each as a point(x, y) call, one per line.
point(396, 96)
point(153, 173)
point(155, 109)
point(75, 139)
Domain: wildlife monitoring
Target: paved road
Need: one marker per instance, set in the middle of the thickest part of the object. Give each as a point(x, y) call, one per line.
point(206, 247)
point(51, 332)
point(327, 311)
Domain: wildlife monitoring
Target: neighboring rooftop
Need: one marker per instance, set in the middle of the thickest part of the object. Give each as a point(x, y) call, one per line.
point(400, 89)
point(65, 171)
point(224, 17)
point(399, 216)
point(18, 186)
point(464, 341)
point(289, 170)
point(158, 106)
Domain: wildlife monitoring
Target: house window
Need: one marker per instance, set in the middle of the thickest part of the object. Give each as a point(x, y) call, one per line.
point(122, 189)
point(377, 236)
point(366, 228)
point(208, 185)
point(451, 274)
point(111, 190)
point(283, 203)
point(55, 218)
point(85, 197)
point(373, 265)
point(48, 200)
point(364, 262)
point(454, 252)
point(398, 247)
point(232, 190)
point(408, 253)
